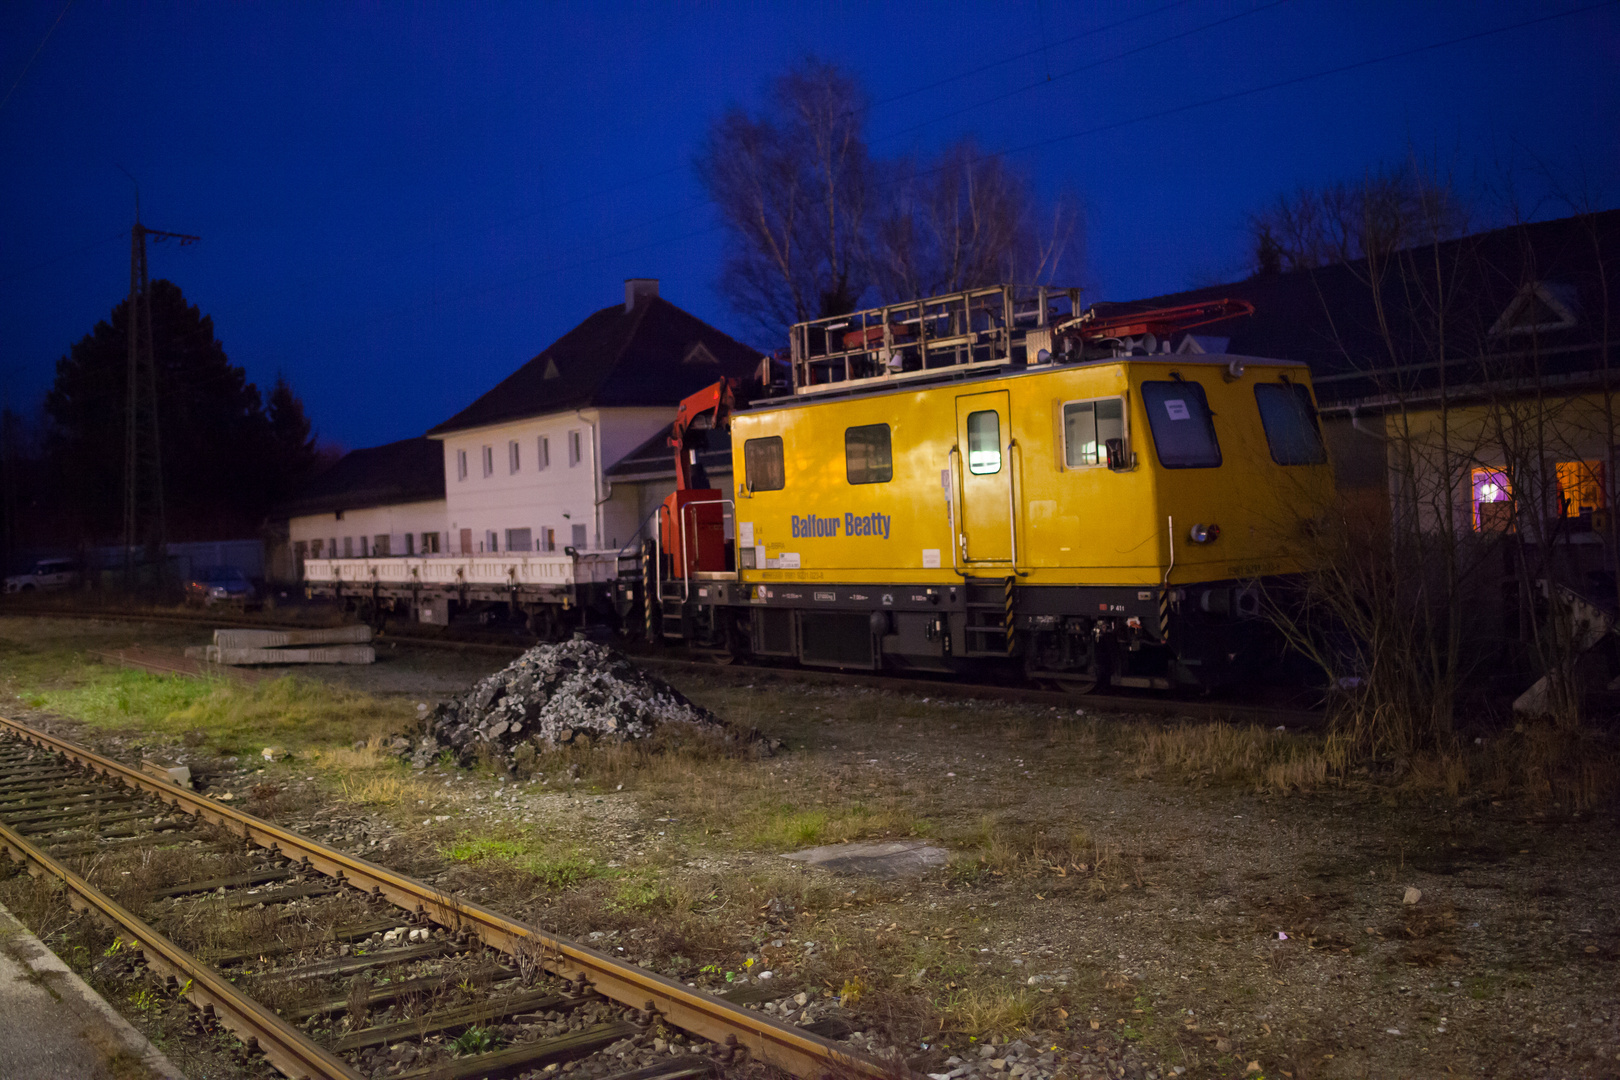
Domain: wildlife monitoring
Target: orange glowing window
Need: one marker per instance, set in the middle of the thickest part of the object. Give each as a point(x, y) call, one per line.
point(1493, 501)
point(1580, 487)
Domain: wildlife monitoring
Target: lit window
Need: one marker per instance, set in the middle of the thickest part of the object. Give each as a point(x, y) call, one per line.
point(1088, 428)
point(1580, 487)
point(984, 442)
point(1493, 501)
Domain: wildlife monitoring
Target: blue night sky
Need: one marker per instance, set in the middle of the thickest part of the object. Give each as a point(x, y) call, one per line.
point(399, 204)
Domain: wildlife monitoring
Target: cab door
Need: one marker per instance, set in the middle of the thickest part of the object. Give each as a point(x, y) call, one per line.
point(984, 476)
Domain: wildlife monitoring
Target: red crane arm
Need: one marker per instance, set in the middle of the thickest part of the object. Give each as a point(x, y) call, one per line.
point(712, 404)
point(1159, 321)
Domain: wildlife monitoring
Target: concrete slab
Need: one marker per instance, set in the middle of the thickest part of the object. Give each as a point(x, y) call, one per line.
point(53, 1026)
point(884, 859)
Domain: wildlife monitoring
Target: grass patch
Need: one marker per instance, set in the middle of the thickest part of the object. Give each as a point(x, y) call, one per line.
point(1227, 753)
point(557, 865)
point(231, 717)
point(784, 826)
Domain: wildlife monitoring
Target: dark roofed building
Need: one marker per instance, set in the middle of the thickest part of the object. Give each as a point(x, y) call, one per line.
point(530, 465)
point(644, 352)
point(382, 500)
point(1486, 318)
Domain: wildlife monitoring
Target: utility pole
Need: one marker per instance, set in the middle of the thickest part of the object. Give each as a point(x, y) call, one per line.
point(142, 456)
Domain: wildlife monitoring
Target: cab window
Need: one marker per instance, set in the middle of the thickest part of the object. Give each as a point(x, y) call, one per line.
point(1183, 427)
point(1087, 428)
point(1289, 418)
point(868, 458)
point(984, 442)
point(762, 464)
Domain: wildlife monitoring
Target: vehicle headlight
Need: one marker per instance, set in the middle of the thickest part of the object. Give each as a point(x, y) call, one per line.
point(1204, 534)
point(218, 591)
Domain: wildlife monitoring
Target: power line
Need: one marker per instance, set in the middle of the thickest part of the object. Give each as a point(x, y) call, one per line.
point(968, 74)
point(1296, 80)
point(29, 66)
point(1038, 84)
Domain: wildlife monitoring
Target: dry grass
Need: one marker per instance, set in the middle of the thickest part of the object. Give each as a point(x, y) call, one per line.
point(1539, 762)
point(1226, 753)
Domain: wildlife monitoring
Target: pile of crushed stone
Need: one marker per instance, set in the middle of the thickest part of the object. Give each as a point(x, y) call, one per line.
point(555, 695)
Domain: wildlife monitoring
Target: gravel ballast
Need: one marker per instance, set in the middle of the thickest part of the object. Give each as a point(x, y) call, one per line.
point(557, 695)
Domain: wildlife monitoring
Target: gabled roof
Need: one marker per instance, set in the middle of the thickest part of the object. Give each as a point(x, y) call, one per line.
point(1327, 316)
point(411, 470)
point(655, 355)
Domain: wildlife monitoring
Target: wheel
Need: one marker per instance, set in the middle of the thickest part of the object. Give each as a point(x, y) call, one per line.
point(1076, 684)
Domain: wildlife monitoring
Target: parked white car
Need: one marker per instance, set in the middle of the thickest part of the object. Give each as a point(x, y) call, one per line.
point(46, 574)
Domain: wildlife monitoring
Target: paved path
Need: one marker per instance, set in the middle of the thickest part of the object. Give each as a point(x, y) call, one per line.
point(53, 1026)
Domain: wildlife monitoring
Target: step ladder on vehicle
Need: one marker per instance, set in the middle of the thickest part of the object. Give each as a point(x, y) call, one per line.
point(989, 626)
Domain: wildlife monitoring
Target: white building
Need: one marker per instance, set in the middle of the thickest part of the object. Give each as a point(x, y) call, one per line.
point(529, 466)
point(383, 500)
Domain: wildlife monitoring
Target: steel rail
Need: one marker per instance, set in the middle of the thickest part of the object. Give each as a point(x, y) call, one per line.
point(287, 1048)
point(789, 1048)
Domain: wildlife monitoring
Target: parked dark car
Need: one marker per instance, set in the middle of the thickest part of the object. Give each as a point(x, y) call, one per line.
point(219, 585)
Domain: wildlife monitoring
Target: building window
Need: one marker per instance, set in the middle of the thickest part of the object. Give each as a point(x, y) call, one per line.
point(1183, 427)
point(1088, 428)
point(579, 538)
point(984, 442)
point(868, 458)
point(315, 549)
point(1289, 417)
point(381, 546)
point(1580, 487)
point(348, 547)
point(518, 540)
point(574, 455)
point(461, 464)
point(548, 539)
point(512, 456)
point(489, 461)
point(1493, 501)
point(300, 550)
point(332, 547)
point(430, 543)
point(542, 452)
point(410, 543)
point(762, 464)
point(489, 542)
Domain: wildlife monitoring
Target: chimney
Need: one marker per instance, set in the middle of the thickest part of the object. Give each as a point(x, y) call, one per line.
point(637, 289)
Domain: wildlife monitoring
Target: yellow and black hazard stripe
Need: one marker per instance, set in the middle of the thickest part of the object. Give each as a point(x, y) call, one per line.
point(1164, 616)
point(1009, 613)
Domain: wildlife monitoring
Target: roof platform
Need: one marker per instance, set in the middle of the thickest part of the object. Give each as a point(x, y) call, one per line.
point(920, 340)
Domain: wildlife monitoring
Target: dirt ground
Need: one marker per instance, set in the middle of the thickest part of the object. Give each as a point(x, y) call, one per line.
point(1133, 921)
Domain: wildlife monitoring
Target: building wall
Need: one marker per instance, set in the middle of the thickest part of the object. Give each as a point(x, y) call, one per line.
point(356, 531)
point(1528, 448)
point(489, 502)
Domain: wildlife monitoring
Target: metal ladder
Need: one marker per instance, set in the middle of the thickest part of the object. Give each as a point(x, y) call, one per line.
point(989, 626)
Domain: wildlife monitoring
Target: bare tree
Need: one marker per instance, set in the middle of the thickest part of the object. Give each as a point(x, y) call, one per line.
point(791, 184)
point(964, 220)
point(1390, 209)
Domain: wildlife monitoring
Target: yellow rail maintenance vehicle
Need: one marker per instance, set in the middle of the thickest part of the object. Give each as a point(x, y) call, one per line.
point(998, 477)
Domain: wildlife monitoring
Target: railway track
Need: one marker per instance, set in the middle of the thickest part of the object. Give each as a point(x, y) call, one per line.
point(330, 966)
point(1147, 702)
